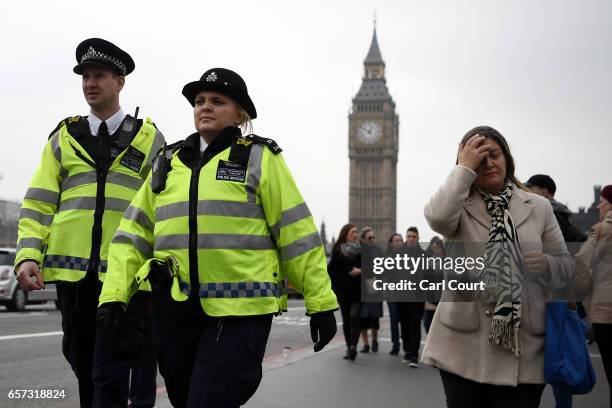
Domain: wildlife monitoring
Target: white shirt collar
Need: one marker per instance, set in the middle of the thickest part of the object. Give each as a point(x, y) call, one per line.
point(203, 144)
point(113, 122)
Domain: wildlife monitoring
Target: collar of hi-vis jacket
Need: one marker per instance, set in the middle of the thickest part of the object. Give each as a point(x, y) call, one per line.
point(189, 152)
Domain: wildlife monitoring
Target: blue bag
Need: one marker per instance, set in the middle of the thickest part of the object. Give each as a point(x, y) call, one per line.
point(567, 363)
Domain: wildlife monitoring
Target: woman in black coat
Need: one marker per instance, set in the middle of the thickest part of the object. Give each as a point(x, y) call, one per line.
point(345, 272)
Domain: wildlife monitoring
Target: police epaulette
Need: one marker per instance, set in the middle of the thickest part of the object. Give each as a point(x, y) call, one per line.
point(171, 147)
point(70, 119)
point(271, 144)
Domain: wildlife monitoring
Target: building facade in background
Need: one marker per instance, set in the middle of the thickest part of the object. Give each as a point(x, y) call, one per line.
point(373, 147)
point(584, 219)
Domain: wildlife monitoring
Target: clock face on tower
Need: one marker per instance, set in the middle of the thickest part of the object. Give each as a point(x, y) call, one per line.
point(369, 131)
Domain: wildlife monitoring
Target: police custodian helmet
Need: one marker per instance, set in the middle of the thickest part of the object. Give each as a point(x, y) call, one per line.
point(225, 82)
point(96, 51)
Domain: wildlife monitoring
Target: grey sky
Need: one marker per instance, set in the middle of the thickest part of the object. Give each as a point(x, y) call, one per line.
point(540, 72)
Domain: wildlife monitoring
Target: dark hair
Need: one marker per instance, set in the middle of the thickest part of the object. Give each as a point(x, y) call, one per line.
point(413, 229)
point(395, 234)
point(435, 241)
point(342, 236)
point(490, 133)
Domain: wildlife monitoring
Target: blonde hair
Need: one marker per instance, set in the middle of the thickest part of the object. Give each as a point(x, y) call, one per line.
point(243, 120)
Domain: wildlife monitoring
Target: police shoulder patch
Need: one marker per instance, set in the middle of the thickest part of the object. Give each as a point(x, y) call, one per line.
point(68, 120)
point(269, 143)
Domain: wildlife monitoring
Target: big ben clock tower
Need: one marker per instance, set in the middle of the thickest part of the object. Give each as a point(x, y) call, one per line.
point(373, 147)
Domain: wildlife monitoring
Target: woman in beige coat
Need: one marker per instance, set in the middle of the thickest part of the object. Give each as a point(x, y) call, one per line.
point(490, 347)
point(595, 256)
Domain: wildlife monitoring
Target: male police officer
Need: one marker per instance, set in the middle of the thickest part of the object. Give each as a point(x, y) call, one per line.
point(91, 167)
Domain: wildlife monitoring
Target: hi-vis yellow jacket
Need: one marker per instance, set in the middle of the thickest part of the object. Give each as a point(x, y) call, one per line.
point(236, 230)
point(73, 204)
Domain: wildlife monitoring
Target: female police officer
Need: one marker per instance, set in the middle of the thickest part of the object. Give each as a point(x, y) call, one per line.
point(217, 230)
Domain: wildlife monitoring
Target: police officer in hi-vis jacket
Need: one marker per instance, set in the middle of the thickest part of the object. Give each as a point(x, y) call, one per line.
point(217, 230)
point(91, 168)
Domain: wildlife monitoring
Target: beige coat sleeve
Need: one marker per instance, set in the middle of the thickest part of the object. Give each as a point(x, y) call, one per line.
point(583, 279)
point(444, 208)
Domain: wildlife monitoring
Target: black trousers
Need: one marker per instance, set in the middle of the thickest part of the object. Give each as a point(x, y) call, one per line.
point(351, 321)
point(603, 337)
point(132, 349)
point(463, 393)
point(410, 314)
point(208, 362)
point(143, 386)
point(78, 304)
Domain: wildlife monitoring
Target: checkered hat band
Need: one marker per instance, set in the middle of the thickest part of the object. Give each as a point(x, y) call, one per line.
point(93, 56)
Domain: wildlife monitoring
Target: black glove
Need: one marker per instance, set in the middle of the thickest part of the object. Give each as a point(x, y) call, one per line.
point(110, 317)
point(322, 328)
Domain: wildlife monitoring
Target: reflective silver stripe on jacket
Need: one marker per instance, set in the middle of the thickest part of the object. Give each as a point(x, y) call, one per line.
point(141, 244)
point(31, 243)
point(79, 179)
point(42, 219)
point(254, 172)
point(55, 146)
point(89, 177)
point(290, 216)
point(124, 180)
point(41, 194)
point(158, 142)
point(89, 203)
point(300, 246)
point(138, 216)
point(211, 207)
point(215, 241)
point(73, 263)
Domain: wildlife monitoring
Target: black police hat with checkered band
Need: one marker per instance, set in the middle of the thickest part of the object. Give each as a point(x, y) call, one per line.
point(96, 51)
point(226, 82)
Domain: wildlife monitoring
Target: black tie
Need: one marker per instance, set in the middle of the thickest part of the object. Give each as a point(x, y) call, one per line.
point(103, 130)
point(104, 143)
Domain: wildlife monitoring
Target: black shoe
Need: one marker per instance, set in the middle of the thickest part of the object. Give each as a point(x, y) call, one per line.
point(406, 359)
point(352, 353)
point(346, 355)
point(374, 347)
point(394, 351)
point(365, 349)
point(413, 363)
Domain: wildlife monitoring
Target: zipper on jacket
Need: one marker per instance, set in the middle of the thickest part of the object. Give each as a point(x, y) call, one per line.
point(194, 279)
point(96, 230)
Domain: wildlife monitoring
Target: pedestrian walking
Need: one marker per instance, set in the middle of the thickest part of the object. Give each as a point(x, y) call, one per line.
point(490, 347)
point(345, 271)
point(91, 168)
point(217, 229)
point(411, 313)
point(394, 245)
point(595, 257)
point(371, 312)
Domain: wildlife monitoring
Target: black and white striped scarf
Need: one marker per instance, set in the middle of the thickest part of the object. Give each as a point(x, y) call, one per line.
point(502, 271)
